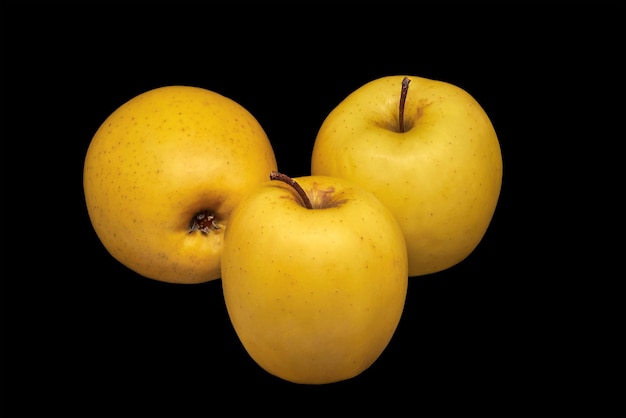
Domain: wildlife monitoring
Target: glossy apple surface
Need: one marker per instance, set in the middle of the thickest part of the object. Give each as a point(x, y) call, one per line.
point(315, 295)
point(440, 176)
point(164, 172)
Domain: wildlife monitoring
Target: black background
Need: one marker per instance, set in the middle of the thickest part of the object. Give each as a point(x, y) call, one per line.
point(531, 324)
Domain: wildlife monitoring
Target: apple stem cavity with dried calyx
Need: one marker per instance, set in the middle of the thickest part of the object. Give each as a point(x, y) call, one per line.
point(403, 94)
point(204, 222)
point(275, 175)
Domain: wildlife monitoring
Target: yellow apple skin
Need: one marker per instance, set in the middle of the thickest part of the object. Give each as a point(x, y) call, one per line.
point(158, 160)
point(441, 177)
point(314, 295)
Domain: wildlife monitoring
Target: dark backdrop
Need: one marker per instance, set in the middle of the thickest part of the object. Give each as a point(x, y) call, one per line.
point(531, 324)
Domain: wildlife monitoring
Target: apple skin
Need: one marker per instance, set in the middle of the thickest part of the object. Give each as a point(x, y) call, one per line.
point(441, 177)
point(159, 159)
point(314, 295)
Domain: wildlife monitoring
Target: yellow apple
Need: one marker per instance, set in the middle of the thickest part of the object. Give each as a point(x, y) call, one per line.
point(162, 175)
point(314, 274)
point(429, 153)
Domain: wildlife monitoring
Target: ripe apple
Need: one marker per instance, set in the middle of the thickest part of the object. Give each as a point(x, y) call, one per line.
point(431, 155)
point(162, 175)
point(314, 274)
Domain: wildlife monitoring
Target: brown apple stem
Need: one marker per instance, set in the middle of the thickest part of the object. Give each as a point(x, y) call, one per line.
point(403, 93)
point(275, 175)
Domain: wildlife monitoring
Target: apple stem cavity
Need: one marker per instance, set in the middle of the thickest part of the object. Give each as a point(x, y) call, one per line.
point(403, 93)
point(275, 175)
point(204, 222)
